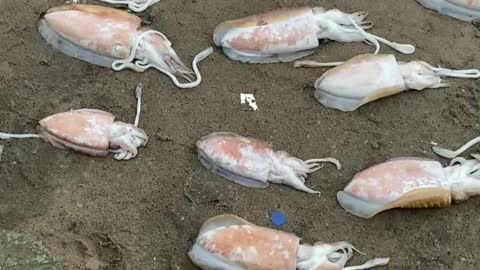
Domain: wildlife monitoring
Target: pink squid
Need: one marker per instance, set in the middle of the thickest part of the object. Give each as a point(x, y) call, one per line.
point(369, 77)
point(288, 34)
point(465, 10)
point(91, 132)
point(113, 38)
point(228, 242)
point(410, 183)
point(253, 163)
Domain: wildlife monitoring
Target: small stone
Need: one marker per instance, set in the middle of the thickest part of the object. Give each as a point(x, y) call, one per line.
point(1, 152)
point(92, 264)
point(6, 71)
point(374, 145)
point(82, 247)
point(44, 62)
point(162, 137)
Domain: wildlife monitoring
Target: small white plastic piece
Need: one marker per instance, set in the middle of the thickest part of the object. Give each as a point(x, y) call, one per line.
point(250, 100)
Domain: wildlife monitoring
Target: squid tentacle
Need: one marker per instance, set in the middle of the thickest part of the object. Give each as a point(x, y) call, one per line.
point(369, 264)
point(313, 165)
point(462, 73)
point(143, 64)
point(443, 152)
point(335, 255)
point(138, 95)
point(136, 7)
point(459, 160)
point(403, 48)
point(6, 136)
point(313, 64)
point(375, 40)
point(198, 58)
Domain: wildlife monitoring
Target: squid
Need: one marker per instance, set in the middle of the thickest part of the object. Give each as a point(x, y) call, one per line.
point(285, 35)
point(465, 10)
point(91, 132)
point(253, 163)
point(410, 183)
point(228, 242)
point(369, 77)
point(114, 38)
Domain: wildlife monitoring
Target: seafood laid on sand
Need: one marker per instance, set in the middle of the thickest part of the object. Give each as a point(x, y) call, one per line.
point(366, 78)
point(285, 35)
point(410, 183)
point(91, 132)
point(253, 163)
point(465, 10)
point(114, 38)
point(228, 242)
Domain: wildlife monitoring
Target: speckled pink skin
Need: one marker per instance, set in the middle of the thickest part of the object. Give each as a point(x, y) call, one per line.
point(106, 31)
point(284, 35)
point(85, 131)
point(228, 242)
point(103, 30)
point(409, 183)
point(252, 247)
point(253, 163)
point(388, 181)
point(92, 132)
point(103, 36)
point(279, 31)
point(368, 77)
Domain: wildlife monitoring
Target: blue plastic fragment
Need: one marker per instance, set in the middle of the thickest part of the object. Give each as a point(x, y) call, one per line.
point(278, 219)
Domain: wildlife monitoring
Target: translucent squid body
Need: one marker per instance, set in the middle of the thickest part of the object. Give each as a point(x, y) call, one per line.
point(465, 10)
point(365, 78)
point(228, 242)
point(410, 183)
point(288, 34)
point(253, 163)
point(91, 132)
point(113, 38)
